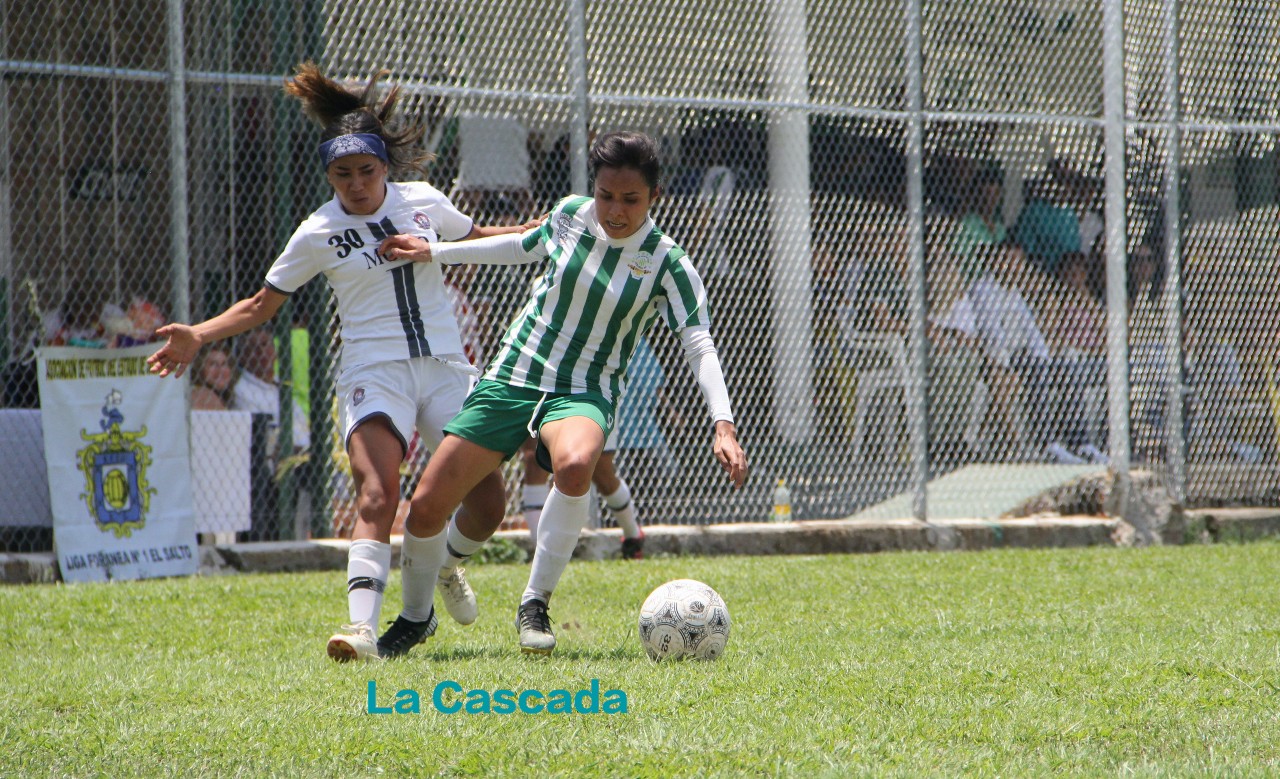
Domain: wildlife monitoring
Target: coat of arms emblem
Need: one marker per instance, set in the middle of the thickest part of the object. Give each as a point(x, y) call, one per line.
point(114, 465)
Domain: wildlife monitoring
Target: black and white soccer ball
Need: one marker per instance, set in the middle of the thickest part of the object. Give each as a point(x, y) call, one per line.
point(684, 618)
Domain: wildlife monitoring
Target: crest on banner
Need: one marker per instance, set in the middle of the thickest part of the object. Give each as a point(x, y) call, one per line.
point(114, 465)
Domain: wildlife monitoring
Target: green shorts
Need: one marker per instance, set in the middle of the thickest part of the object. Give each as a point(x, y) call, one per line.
point(499, 417)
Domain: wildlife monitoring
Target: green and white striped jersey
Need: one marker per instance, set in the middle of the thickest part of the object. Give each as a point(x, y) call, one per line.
point(596, 298)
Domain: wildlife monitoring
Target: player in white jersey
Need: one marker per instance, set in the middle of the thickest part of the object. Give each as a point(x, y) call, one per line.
point(403, 366)
point(563, 363)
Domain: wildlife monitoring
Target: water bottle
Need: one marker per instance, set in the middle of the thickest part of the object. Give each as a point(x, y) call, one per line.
point(781, 502)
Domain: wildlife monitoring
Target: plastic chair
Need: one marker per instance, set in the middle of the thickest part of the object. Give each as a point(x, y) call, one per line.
point(885, 358)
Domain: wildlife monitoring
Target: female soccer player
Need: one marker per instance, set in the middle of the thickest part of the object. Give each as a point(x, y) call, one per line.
point(563, 363)
point(402, 365)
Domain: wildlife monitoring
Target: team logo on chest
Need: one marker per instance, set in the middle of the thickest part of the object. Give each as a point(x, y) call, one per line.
point(641, 264)
point(563, 221)
point(422, 220)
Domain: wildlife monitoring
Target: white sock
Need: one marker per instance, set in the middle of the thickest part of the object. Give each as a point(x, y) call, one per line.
point(534, 497)
point(624, 511)
point(562, 521)
point(457, 548)
point(368, 563)
point(419, 563)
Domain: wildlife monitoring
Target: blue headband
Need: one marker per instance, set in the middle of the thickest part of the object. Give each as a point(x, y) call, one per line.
point(358, 143)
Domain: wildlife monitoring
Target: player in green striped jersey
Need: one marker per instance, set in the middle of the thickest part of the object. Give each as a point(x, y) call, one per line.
point(562, 365)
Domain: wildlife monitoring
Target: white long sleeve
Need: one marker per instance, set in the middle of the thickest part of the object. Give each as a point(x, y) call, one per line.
point(503, 249)
point(700, 352)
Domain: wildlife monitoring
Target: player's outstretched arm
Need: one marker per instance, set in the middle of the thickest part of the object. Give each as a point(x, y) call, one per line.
point(183, 341)
point(485, 232)
point(504, 249)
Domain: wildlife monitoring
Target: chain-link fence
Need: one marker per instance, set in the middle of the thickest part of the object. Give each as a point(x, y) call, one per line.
point(922, 261)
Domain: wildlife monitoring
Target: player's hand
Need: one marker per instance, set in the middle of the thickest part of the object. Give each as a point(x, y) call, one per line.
point(534, 224)
point(177, 353)
point(729, 452)
point(405, 247)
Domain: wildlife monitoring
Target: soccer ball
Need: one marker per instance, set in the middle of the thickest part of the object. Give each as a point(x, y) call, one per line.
point(684, 618)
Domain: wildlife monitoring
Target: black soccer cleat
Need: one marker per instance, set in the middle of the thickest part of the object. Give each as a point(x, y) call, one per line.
point(633, 548)
point(534, 624)
point(405, 634)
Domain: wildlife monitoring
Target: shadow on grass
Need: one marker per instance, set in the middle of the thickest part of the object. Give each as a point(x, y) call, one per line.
point(490, 652)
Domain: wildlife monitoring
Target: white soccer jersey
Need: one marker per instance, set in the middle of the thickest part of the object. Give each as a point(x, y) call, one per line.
point(389, 310)
point(596, 298)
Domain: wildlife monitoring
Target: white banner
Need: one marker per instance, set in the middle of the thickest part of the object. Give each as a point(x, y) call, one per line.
point(116, 447)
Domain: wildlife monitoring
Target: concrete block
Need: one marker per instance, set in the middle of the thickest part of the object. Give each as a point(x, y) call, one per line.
point(28, 568)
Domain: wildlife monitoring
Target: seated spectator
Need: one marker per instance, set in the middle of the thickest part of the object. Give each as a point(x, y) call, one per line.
point(213, 379)
point(258, 390)
point(1019, 364)
point(982, 224)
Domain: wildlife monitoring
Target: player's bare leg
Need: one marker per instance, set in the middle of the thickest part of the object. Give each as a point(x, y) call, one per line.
point(574, 444)
point(375, 453)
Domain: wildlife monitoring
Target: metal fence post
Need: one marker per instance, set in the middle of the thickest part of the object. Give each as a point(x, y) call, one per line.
point(580, 110)
point(918, 401)
point(180, 259)
point(1173, 259)
point(1117, 252)
point(789, 224)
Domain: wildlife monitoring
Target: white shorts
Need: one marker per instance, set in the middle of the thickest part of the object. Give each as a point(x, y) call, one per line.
point(421, 393)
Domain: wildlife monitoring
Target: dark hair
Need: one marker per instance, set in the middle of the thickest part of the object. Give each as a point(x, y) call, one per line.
point(627, 149)
point(343, 112)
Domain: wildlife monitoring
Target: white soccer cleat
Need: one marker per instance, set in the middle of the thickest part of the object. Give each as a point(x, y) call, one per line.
point(357, 642)
point(459, 598)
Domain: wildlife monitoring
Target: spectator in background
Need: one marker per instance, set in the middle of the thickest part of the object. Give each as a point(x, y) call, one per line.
point(83, 321)
point(1019, 363)
point(982, 224)
point(1076, 326)
point(1048, 226)
point(258, 390)
point(213, 379)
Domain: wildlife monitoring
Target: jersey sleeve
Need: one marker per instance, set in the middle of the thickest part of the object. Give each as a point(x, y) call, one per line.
point(684, 301)
point(505, 249)
point(453, 224)
point(544, 235)
point(295, 266)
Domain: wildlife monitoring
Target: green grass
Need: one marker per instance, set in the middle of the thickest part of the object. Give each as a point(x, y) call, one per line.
point(1156, 662)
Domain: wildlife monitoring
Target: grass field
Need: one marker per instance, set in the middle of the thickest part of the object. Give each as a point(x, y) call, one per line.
point(1156, 662)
